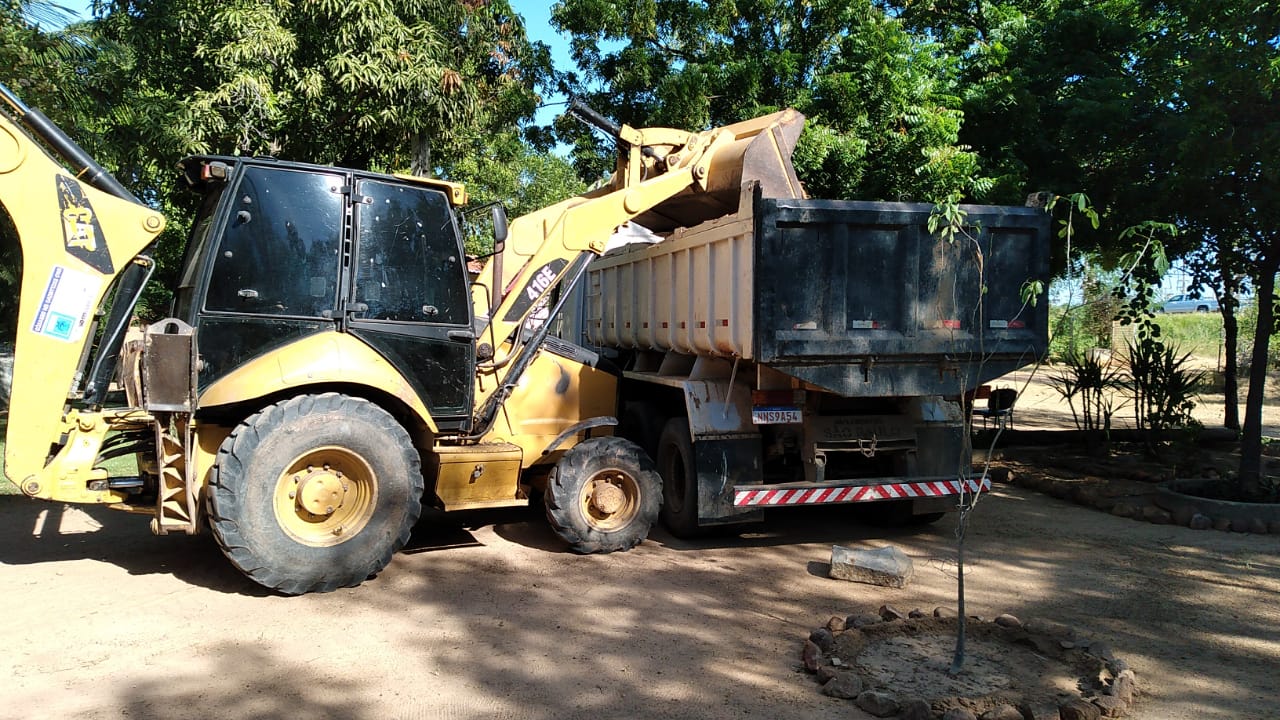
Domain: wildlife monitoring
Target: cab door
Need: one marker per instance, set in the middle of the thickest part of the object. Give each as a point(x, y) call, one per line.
point(407, 293)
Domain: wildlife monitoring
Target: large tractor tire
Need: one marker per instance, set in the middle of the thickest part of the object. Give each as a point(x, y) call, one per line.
point(679, 479)
point(603, 496)
point(315, 493)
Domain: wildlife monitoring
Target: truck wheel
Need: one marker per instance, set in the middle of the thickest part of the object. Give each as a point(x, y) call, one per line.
point(315, 493)
point(893, 513)
point(641, 422)
point(679, 479)
point(603, 496)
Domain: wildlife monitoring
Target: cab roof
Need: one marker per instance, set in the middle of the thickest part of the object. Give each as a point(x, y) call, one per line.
point(194, 172)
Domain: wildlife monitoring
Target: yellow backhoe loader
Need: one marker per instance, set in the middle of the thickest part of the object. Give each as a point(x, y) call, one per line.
point(328, 368)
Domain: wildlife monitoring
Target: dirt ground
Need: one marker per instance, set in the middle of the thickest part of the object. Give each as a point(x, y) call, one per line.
point(487, 616)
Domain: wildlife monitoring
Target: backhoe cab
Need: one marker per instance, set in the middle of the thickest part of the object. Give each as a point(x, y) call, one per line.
point(328, 367)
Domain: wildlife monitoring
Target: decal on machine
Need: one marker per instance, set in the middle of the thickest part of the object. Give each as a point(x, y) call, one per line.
point(81, 234)
point(67, 304)
point(539, 280)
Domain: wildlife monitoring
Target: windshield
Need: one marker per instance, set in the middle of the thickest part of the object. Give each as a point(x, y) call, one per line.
point(196, 243)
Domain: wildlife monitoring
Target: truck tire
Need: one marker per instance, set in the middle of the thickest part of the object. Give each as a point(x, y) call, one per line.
point(893, 513)
point(315, 493)
point(642, 423)
point(679, 479)
point(603, 496)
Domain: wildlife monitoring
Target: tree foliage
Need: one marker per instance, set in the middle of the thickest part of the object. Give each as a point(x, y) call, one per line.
point(883, 122)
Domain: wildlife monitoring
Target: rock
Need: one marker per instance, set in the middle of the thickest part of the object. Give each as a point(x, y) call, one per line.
point(1123, 509)
point(1105, 503)
point(845, 685)
point(1079, 710)
point(1274, 527)
point(836, 624)
point(944, 612)
point(1258, 526)
point(1002, 712)
point(1086, 494)
point(1182, 515)
point(1222, 524)
point(1111, 706)
point(916, 709)
point(1039, 711)
point(878, 703)
point(1101, 650)
point(1200, 522)
point(1240, 525)
point(916, 614)
point(1124, 686)
point(1052, 629)
point(1066, 644)
point(1008, 621)
point(1000, 474)
point(889, 612)
point(837, 662)
point(863, 620)
point(887, 566)
point(1156, 515)
point(1117, 665)
point(811, 656)
point(826, 672)
point(824, 639)
point(962, 714)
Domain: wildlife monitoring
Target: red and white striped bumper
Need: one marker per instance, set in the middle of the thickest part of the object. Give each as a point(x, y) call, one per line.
point(747, 497)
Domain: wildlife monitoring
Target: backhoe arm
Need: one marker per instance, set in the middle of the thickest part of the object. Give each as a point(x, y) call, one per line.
point(77, 238)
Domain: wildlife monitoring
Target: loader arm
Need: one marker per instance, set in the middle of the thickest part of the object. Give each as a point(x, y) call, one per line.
point(665, 178)
point(79, 235)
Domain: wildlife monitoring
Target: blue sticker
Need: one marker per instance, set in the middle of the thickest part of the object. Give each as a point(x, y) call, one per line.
point(60, 326)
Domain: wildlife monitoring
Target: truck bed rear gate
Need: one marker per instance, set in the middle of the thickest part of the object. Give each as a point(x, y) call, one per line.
point(889, 310)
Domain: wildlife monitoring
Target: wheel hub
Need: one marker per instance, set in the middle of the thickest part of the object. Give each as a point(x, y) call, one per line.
point(607, 497)
point(320, 491)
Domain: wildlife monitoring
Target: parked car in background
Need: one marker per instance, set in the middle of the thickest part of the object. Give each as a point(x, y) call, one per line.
point(1185, 304)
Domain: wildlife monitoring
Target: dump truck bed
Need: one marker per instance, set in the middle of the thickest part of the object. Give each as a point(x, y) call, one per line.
point(855, 297)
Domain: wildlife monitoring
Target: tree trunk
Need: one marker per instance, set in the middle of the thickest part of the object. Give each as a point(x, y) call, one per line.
point(1230, 302)
point(1250, 475)
point(421, 165)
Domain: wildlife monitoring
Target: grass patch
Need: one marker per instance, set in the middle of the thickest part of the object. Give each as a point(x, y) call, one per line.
point(1196, 333)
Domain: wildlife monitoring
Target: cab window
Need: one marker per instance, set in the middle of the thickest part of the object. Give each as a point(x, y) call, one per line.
point(279, 252)
point(409, 257)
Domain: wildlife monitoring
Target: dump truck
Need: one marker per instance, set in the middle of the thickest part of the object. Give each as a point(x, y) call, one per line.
point(796, 351)
point(328, 367)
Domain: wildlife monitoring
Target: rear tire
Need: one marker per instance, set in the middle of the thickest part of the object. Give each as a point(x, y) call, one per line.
point(893, 513)
point(679, 479)
point(642, 423)
point(603, 496)
point(1202, 308)
point(315, 493)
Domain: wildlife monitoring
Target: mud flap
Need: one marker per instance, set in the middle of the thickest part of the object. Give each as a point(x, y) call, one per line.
point(722, 465)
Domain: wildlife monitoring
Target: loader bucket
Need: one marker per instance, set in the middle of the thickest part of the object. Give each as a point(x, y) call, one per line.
point(758, 151)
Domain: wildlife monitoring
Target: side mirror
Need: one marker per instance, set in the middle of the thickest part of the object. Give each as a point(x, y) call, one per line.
point(499, 227)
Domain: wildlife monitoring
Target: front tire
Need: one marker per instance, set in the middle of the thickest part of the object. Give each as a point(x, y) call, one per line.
point(603, 496)
point(315, 493)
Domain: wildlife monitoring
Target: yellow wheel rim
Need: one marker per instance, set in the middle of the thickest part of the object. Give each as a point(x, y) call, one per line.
point(325, 496)
point(610, 499)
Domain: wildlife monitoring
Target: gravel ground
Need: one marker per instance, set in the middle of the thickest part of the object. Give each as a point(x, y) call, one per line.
point(492, 618)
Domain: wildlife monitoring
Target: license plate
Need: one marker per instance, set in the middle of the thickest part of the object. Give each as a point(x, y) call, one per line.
point(775, 415)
